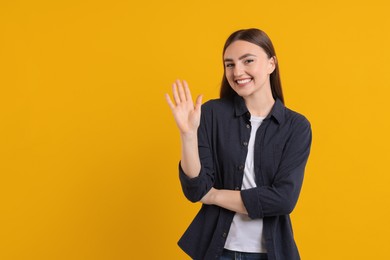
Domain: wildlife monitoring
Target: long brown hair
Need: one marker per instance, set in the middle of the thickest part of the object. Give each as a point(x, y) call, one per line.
point(262, 40)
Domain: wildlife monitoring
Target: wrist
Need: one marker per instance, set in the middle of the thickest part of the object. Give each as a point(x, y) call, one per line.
point(189, 136)
point(214, 196)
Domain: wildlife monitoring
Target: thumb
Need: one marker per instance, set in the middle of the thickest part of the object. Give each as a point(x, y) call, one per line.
point(198, 103)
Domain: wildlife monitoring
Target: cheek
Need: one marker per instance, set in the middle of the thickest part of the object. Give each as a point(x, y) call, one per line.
point(229, 76)
point(259, 71)
point(231, 81)
point(228, 73)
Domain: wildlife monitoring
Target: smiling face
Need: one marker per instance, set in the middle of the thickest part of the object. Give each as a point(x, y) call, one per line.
point(248, 69)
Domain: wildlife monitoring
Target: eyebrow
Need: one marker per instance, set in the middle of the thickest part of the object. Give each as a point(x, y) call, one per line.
point(240, 58)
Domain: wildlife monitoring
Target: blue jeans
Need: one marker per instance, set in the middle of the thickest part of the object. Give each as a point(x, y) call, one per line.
point(233, 255)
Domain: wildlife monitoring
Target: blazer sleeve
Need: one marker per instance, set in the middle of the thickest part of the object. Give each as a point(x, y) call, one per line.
point(281, 197)
point(195, 188)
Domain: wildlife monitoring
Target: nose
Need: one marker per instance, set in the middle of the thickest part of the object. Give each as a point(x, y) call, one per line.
point(238, 70)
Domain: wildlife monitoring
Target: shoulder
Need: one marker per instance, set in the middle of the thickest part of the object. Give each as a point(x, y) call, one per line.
point(298, 125)
point(296, 120)
point(288, 118)
point(296, 116)
point(218, 105)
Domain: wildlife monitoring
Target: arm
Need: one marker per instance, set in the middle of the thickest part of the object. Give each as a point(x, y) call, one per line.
point(187, 117)
point(280, 197)
point(228, 199)
point(195, 188)
point(196, 169)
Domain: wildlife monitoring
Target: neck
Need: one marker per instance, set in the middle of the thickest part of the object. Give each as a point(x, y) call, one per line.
point(260, 105)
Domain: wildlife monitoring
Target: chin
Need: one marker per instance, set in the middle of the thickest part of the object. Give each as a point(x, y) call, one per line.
point(242, 93)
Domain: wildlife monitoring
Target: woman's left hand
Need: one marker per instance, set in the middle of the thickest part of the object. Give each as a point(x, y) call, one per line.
point(209, 198)
point(228, 199)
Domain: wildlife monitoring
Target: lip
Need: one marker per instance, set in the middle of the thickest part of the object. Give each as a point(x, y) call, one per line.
point(243, 81)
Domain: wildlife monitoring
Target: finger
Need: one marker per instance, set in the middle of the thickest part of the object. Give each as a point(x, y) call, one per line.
point(198, 103)
point(175, 94)
point(169, 101)
point(187, 91)
point(182, 95)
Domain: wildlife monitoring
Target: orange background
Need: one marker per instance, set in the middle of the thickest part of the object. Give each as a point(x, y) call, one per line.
point(89, 149)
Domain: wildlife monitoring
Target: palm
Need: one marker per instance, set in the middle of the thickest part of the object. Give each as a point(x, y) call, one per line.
point(186, 114)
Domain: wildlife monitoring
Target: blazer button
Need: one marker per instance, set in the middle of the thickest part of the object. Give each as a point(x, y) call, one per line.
point(245, 143)
point(237, 188)
point(241, 167)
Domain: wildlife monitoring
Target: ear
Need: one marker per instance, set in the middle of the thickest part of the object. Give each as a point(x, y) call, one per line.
point(272, 64)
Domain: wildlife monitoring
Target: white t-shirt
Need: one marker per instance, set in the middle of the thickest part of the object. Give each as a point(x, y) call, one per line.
point(246, 234)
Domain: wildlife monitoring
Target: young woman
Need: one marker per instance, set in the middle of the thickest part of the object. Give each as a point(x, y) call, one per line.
point(243, 157)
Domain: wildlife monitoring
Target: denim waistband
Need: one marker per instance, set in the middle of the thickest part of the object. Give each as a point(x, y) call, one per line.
point(228, 254)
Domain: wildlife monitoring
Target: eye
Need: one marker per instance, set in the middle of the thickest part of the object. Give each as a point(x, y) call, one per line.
point(248, 61)
point(229, 65)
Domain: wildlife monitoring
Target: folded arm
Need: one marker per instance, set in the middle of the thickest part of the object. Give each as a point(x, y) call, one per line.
point(279, 198)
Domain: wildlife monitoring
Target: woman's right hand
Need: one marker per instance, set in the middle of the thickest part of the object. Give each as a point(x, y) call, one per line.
point(186, 114)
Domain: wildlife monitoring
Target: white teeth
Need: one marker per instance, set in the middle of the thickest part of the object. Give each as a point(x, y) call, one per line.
point(243, 81)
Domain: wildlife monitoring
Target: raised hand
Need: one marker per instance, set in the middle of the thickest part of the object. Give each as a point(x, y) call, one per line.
point(186, 114)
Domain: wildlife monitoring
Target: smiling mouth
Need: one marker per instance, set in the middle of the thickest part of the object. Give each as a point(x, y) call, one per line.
point(243, 81)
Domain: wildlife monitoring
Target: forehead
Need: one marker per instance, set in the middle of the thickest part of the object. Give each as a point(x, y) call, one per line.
point(238, 48)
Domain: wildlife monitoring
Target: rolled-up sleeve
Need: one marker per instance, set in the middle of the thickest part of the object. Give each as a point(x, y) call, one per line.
point(281, 196)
